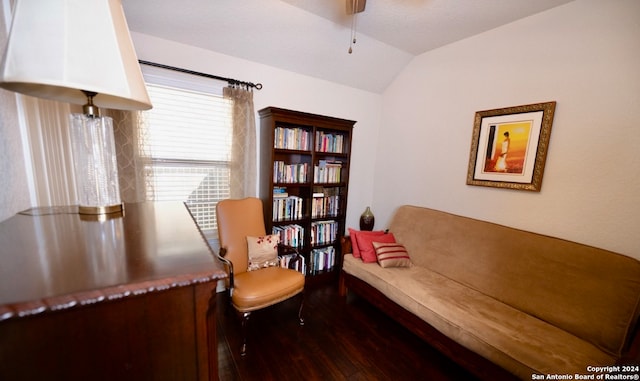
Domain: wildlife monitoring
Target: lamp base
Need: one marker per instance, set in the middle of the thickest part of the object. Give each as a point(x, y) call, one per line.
point(99, 210)
point(95, 164)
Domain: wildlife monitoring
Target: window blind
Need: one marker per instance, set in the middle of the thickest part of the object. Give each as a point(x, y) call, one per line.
point(188, 135)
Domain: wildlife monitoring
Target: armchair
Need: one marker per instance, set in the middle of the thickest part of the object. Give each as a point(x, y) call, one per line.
point(256, 289)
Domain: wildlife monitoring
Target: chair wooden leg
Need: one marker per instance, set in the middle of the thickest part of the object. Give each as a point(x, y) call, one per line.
point(300, 314)
point(245, 322)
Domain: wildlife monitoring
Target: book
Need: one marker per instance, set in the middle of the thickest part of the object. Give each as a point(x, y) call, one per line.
point(323, 232)
point(325, 205)
point(327, 171)
point(294, 262)
point(287, 208)
point(292, 138)
point(289, 173)
point(290, 235)
point(323, 259)
point(280, 192)
point(329, 142)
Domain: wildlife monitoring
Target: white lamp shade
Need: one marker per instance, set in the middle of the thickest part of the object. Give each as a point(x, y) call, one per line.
point(58, 47)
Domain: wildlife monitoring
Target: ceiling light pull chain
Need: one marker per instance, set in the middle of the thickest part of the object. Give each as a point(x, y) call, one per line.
point(354, 25)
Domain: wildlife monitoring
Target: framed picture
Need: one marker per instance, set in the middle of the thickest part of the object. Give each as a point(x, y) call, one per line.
point(509, 146)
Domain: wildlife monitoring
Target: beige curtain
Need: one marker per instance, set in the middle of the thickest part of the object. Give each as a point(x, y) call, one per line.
point(134, 162)
point(51, 160)
point(244, 172)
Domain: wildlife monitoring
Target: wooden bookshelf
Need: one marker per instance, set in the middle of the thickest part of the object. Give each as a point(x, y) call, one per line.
point(304, 182)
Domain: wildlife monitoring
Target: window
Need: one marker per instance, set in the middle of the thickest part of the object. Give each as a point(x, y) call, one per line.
point(188, 140)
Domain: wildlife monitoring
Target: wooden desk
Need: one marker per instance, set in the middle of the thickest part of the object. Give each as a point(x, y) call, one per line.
point(130, 298)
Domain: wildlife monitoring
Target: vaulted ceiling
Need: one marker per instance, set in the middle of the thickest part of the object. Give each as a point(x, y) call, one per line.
point(312, 37)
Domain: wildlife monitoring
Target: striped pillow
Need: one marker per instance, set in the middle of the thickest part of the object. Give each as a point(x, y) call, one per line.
point(392, 254)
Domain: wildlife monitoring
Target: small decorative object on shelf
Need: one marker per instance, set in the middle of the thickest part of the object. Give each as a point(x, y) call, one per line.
point(367, 220)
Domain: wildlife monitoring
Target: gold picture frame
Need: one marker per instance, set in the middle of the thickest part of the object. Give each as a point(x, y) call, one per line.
point(509, 146)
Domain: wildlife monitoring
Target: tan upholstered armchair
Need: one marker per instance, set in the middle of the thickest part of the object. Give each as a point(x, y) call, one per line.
point(251, 290)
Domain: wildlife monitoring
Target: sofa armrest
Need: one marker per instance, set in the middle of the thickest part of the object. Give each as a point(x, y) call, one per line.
point(632, 353)
point(346, 248)
point(345, 244)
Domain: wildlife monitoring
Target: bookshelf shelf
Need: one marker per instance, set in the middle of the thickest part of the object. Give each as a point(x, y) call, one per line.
point(304, 181)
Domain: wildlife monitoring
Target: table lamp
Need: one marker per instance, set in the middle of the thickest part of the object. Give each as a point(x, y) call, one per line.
point(79, 51)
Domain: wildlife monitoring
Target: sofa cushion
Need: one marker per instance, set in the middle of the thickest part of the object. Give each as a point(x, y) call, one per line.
point(391, 254)
point(367, 251)
point(518, 342)
point(589, 292)
point(354, 234)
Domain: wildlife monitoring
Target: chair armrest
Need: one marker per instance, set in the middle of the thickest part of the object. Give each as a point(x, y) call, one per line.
point(291, 251)
point(229, 264)
point(286, 249)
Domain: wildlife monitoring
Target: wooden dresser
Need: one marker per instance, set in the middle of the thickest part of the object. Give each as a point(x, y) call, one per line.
point(128, 298)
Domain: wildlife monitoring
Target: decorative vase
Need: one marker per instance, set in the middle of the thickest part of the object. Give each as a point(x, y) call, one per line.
point(367, 220)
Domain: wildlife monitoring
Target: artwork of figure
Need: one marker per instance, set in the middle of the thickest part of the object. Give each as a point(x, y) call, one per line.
point(501, 163)
point(507, 147)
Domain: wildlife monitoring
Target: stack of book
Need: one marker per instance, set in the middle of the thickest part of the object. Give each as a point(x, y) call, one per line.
point(326, 142)
point(322, 259)
point(292, 138)
point(327, 172)
point(287, 207)
point(325, 204)
point(289, 173)
point(280, 192)
point(323, 232)
point(290, 235)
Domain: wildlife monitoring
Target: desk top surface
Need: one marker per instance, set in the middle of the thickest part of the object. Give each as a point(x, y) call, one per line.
point(62, 260)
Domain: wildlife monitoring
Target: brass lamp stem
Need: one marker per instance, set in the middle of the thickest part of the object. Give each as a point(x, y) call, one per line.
point(90, 109)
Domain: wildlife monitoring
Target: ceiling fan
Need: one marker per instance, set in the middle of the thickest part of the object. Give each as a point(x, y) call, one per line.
point(353, 8)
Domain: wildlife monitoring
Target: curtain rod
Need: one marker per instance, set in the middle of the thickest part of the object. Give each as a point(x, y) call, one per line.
point(230, 81)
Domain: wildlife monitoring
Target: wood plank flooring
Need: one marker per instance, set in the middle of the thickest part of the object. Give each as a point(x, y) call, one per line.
point(342, 339)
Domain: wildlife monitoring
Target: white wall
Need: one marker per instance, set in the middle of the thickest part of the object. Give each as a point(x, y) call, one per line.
point(291, 91)
point(586, 56)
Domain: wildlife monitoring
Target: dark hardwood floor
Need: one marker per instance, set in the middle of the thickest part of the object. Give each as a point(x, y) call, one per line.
point(342, 339)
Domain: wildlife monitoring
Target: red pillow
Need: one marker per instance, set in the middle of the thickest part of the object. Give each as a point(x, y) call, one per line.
point(367, 251)
point(355, 234)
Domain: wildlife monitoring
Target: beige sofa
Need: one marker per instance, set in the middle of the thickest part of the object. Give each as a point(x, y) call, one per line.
point(505, 302)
